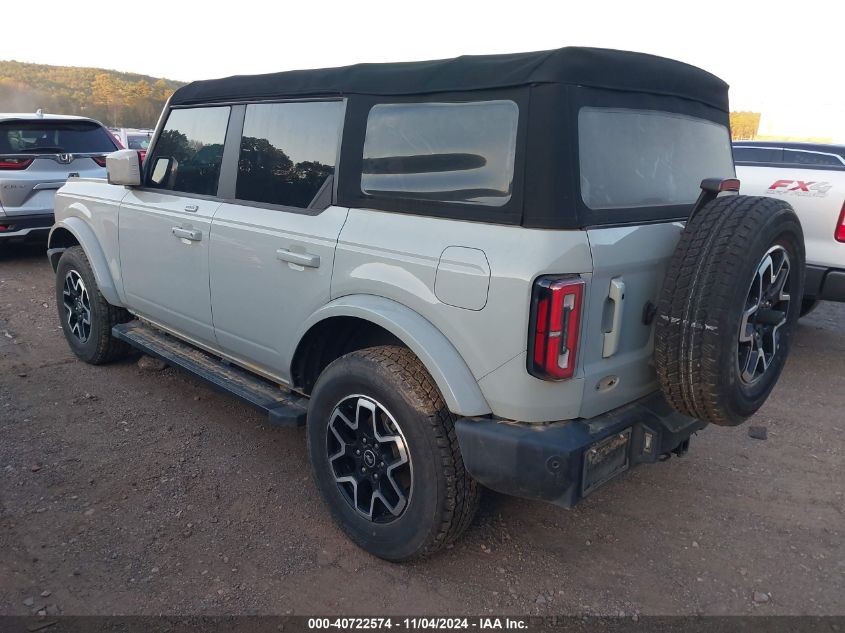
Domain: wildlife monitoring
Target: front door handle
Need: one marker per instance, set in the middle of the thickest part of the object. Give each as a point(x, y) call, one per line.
point(191, 207)
point(303, 259)
point(187, 234)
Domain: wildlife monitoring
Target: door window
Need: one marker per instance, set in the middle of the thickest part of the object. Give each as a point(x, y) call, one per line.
point(187, 155)
point(288, 153)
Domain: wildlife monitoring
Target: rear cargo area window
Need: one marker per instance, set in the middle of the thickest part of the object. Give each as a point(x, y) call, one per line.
point(288, 151)
point(187, 156)
point(644, 158)
point(442, 152)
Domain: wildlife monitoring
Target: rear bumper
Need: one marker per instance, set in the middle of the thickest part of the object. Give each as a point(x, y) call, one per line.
point(21, 227)
point(547, 462)
point(825, 283)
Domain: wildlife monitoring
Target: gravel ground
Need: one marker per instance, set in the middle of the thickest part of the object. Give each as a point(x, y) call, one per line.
point(136, 491)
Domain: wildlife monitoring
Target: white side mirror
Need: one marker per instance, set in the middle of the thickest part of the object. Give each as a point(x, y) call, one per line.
point(124, 167)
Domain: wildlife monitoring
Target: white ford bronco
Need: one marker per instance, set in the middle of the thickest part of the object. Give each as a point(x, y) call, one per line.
point(528, 272)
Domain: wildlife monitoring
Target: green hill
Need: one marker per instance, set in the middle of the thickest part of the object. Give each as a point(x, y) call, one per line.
point(114, 98)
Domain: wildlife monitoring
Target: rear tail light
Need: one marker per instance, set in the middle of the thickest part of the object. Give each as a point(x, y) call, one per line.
point(143, 154)
point(15, 163)
point(3, 227)
point(100, 160)
point(553, 328)
point(840, 227)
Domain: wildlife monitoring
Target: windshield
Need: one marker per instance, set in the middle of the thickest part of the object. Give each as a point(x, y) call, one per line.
point(646, 158)
point(71, 137)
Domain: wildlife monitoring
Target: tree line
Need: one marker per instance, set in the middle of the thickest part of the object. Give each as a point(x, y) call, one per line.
point(131, 100)
point(113, 98)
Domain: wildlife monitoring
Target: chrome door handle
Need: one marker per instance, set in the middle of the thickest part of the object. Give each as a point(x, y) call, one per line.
point(187, 234)
point(303, 259)
point(610, 344)
point(191, 207)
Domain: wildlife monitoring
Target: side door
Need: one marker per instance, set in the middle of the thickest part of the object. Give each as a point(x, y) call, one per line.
point(165, 225)
point(273, 244)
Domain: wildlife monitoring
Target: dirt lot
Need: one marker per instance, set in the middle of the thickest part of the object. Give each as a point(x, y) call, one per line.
point(129, 491)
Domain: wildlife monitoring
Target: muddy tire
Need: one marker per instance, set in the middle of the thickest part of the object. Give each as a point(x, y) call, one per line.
point(385, 456)
point(86, 317)
point(732, 295)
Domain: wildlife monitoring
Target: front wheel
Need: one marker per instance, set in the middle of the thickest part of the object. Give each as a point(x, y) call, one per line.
point(86, 317)
point(385, 456)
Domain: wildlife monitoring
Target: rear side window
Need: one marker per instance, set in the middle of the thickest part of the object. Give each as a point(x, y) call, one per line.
point(56, 137)
point(798, 157)
point(443, 152)
point(646, 158)
point(288, 152)
point(758, 154)
point(189, 151)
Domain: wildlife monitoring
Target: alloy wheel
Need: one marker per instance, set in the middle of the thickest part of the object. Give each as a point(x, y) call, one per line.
point(766, 311)
point(369, 458)
point(77, 306)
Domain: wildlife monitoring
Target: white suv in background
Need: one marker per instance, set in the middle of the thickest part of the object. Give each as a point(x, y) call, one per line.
point(811, 177)
point(38, 152)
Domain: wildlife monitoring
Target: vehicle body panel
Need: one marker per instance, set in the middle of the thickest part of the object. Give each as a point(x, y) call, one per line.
point(634, 258)
point(396, 256)
point(165, 275)
point(252, 255)
point(88, 210)
point(454, 379)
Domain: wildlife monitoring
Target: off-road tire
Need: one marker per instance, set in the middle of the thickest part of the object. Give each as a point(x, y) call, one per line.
point(443, 497)
point(100, 346)
point(702, 303)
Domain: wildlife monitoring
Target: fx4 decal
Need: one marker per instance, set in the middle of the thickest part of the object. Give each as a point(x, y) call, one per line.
point(816, 189)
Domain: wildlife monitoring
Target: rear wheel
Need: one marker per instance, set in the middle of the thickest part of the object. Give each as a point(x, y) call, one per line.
point(86, 317)
point(728, 307)
point(385, 456)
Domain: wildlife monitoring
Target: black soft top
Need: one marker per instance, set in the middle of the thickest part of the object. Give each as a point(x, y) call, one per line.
point(593, 67)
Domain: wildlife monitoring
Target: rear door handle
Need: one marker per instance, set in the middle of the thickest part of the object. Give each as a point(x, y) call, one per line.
point(617, 296)
point(191, 207)
point(188, 234)
point(303, 259)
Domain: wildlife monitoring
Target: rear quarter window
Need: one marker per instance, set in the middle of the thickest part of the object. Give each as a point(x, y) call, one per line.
point(645, 158)
point(441, 152)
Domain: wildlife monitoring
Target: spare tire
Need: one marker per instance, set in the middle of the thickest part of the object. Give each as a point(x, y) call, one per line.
point(728, 307)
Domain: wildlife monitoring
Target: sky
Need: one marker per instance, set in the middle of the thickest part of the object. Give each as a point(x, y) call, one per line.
point(781, 58)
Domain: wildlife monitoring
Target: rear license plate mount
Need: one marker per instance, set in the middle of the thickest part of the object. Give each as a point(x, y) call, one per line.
point(605, 459)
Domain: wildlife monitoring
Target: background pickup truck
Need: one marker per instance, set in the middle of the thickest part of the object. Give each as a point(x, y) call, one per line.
point(811, 177)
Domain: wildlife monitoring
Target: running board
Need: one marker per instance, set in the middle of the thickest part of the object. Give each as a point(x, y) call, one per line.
point(283, 407)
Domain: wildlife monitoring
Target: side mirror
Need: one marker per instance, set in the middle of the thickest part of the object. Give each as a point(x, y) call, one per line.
point(124, 167)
